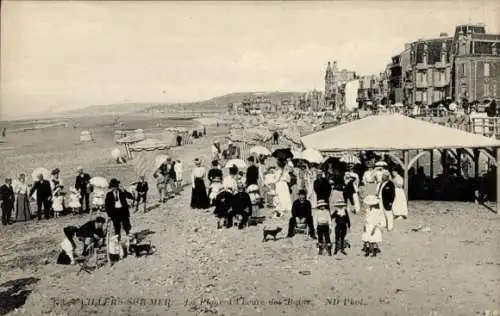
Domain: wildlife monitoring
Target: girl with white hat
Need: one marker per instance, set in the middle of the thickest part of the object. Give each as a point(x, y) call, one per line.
point(372, 232)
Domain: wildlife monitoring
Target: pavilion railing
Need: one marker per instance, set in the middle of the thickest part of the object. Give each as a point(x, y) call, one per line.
point(486, 126)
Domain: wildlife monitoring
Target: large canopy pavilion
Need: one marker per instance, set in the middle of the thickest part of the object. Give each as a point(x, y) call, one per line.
point(392, 132)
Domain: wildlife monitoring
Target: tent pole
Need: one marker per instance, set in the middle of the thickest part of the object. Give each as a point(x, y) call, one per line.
point(405, 168)
point(498, 180)
point(431, 171)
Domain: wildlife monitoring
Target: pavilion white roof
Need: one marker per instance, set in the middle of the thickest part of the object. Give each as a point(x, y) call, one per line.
point(393, 132)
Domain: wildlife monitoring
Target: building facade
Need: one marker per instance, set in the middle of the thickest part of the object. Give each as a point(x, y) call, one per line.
point(476, 66)
point(335, 81)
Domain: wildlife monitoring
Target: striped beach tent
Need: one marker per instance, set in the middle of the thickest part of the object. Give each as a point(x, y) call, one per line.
point(144, 157)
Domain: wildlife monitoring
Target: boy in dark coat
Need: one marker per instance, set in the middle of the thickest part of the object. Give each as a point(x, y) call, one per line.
point(142, 189)
point(342, 224)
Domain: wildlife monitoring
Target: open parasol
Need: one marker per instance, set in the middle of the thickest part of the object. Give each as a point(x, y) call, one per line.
point(240, 164)
point(260, 150)
point(99, 182)
point(312, 155)
point(44, 172)
point(283, 153)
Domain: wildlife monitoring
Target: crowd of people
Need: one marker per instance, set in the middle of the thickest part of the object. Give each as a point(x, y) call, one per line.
point(307, 194)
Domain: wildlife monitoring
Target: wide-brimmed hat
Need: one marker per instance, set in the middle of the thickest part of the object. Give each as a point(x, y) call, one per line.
point(371, 200)
point(56, 171)
point(197, 161)
point(381, 164)
point(339, 204)
point(321, 203)
point(114, 183)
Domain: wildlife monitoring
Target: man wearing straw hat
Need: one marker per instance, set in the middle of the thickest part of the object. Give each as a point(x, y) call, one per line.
point(386, 194)
point(117, 207)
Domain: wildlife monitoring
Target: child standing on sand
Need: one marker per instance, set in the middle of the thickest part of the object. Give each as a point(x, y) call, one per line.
point(74, 201)
point(372, 231)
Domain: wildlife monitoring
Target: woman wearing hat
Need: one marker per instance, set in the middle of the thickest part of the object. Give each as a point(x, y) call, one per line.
point(199, 196)
point(56, 184)
point(284, 200)
point(372, 231)
point(23, 212)
point(386, 194)
point(351, 188)
point(400, 205)
point(215, 188)
point(322, 220)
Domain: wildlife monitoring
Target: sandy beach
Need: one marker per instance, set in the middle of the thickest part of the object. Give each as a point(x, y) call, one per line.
point(451, 268)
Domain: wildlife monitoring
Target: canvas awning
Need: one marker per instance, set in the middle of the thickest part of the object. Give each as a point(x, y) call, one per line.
point(397, 132)
point(393, 132)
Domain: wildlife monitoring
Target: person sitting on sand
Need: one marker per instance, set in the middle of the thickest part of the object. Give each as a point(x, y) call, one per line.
point(91, 233)
point(301, 213)
point(241, 205)
point(68, 246)
point(222, 203)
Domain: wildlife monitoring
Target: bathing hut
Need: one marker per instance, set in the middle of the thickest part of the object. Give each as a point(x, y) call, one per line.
point(86, 136)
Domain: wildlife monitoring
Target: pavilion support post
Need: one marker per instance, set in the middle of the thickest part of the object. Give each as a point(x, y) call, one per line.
point(476, 163)
point(459, 160)
point(418, 163)
point(406, 157)
point(498, 180)
point(431, 173)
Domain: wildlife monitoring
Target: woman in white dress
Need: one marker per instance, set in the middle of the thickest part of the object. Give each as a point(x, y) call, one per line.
point(369, 182)
point(310, 178)
point(284, 199)
point(21, 189)
point(99, 195)
point(400, 204)
point(56, 184)
point(372, 231)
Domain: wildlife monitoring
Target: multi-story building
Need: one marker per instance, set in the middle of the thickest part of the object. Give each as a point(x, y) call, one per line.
point(476, 66)
point(430, 70)
point(335, 79)
point(395, 80)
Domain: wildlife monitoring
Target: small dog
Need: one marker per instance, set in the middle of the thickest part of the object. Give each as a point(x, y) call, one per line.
point(347, 244)
point(271, 232)
point(142, 249)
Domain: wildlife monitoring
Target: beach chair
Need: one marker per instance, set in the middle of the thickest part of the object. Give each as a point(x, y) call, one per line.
point(301, 227)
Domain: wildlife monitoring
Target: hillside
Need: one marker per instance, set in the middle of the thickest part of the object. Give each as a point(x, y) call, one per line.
point(216, 104)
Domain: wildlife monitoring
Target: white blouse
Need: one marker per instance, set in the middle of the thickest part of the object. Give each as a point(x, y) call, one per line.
point(198, 172)
point(68, 249)
point(20, 188)
point(230, 183)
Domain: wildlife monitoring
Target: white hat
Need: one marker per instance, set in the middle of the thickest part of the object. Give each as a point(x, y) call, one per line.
point(321, 203)
point(371, 200)
point(381, 164)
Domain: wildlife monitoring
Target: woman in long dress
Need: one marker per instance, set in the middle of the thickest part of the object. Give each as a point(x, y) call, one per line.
point(284, 200)
point(56, 184)
point(23, 212)
point(369, 182)
point(400, 204)
point(199, 196)
point(351, 180)
point(310, 178)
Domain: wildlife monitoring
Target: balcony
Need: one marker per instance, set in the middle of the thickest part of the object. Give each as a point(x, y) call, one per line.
point(421, 85)
point(421, 66)
point(440, 65)
point(441, 83)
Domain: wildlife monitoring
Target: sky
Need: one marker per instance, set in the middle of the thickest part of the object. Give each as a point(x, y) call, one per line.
point(67, 55)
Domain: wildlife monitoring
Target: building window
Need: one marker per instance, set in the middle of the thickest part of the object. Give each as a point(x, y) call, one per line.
point(486, 90)
point(437, 96)
point(486, 69)
point(494, 92)
point(463, 92)
point(418, 96)
point(429, 75)
point(463, 70)
point(424, 97)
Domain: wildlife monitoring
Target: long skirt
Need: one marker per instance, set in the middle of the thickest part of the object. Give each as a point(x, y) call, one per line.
point(400, 205)
point(199, 196)
point(23, 212)
point(370, 188)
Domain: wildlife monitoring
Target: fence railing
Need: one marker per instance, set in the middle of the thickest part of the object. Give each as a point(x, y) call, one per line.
point(486, 126)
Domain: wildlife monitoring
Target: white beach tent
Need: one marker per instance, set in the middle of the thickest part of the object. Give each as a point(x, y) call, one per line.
point(144, 157)
point(85, 136)
point(394, 132)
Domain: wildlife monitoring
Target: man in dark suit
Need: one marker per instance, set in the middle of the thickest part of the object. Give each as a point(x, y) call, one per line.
point(386, 194)
point(322, 187)
point(142, 189)
point(252, 173)
point(301, 211)
point(7, 200)
point(117, 208)
point(82, 185)
point(43, 196)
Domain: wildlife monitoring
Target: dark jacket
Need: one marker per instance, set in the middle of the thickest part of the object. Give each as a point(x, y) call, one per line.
point(252, 175)
point(82, 182)
point(43, 190)
point(301, 209)
point(241, 202)
point(142, 187)
point(7, 195)
point(223, 203)
point(322, 189)
point(88, 230)
point(388, 194)
point(109, 204)
point(213, 173)
point(342, 220)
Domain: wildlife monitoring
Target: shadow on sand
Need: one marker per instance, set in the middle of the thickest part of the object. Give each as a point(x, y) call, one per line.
point(13, 294)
